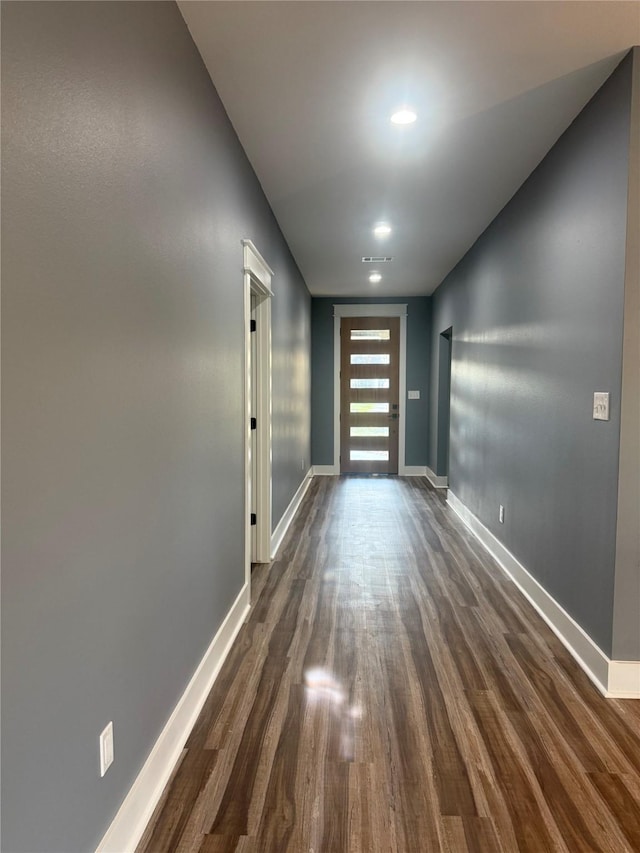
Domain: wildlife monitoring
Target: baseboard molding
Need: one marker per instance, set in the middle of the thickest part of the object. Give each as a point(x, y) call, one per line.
point(135, 812)
point(624, 679)
point(283, 525)
point(325, 471)
point(413, 471)
point(436, 481)
point(614, 679)
point(403, 471)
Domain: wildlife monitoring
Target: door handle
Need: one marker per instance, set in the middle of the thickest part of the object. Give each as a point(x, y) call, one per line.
point(393, 417)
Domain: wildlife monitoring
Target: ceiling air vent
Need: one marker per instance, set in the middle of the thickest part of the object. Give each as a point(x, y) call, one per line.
point(376, 260)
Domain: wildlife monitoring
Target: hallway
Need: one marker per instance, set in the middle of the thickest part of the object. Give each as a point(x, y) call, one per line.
point(393, 691)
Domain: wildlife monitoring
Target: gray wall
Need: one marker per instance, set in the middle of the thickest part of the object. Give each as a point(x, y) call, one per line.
point(626, 622)
point(444, 402)
point(418, 332)
point(125, 195)
point(291, 379)
point(537, 310)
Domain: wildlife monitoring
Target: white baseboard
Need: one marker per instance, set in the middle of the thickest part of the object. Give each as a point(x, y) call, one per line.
point(615, 679)
point(624, 679)
point(403, 471)
point(326, 471)
point(436, 481)
point(135, 812)
point(283, 525)
point(413, 471)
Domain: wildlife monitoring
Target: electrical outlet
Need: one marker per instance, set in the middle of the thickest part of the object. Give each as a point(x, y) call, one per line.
point(106, 749)
point(501, 514)
point(601, 405)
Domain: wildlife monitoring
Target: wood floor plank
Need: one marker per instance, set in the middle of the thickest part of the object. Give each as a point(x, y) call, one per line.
point(226, 844)
point(558, 705)
point(469, 835)
point(621, 802)
point(162, 817)
point(393, 692)
point(528, 811)
point(564, 802)
point(363, 815)
point(280, 809)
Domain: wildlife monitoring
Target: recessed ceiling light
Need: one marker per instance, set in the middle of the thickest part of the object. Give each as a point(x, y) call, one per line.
point(405, 115)
point(382, 229)
point(375, 278)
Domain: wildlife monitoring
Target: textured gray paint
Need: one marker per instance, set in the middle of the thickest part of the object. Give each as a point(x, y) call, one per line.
point(536, 308)
point(418, 331)
point(626, 622)
point(291, 356)
point(125, 195)
point(444, 392)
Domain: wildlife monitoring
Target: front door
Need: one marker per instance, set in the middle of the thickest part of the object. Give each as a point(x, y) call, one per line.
point(369, 394)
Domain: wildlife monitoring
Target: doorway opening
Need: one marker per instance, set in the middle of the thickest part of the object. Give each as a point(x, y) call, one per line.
point(444, 402)
point(378, 310)
point(257, 317)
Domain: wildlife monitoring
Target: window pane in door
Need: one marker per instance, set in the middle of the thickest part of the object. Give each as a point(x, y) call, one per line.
point(369, 383)
point(370, 334)
point(369, 455)
point(368, 431)
point(370, 358)
point(356, 408)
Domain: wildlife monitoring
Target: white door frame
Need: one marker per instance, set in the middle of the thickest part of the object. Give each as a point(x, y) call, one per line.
point(257, 280)
point(391, 309)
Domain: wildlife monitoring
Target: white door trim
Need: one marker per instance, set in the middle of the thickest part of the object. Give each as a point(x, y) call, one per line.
point(257, 280)
point(378, 309)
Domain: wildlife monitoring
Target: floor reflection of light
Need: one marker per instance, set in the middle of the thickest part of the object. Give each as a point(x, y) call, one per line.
point(347, 740)
point(321, 686)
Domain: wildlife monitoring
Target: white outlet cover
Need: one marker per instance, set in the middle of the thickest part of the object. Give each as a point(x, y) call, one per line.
point(414, 395)
point(106, 749)
point(601, 405)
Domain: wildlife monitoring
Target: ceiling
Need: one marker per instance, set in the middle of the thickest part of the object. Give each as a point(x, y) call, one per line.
point(310, 86)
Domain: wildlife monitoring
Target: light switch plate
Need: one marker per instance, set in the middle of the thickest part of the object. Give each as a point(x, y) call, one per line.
point(106, 749)
point(601, 405)
point(414, 395)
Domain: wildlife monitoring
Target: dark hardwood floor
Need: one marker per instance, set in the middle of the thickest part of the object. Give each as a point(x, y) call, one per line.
point(393, 691)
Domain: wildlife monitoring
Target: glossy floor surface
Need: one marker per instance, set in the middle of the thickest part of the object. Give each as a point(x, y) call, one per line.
point(392, 691)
